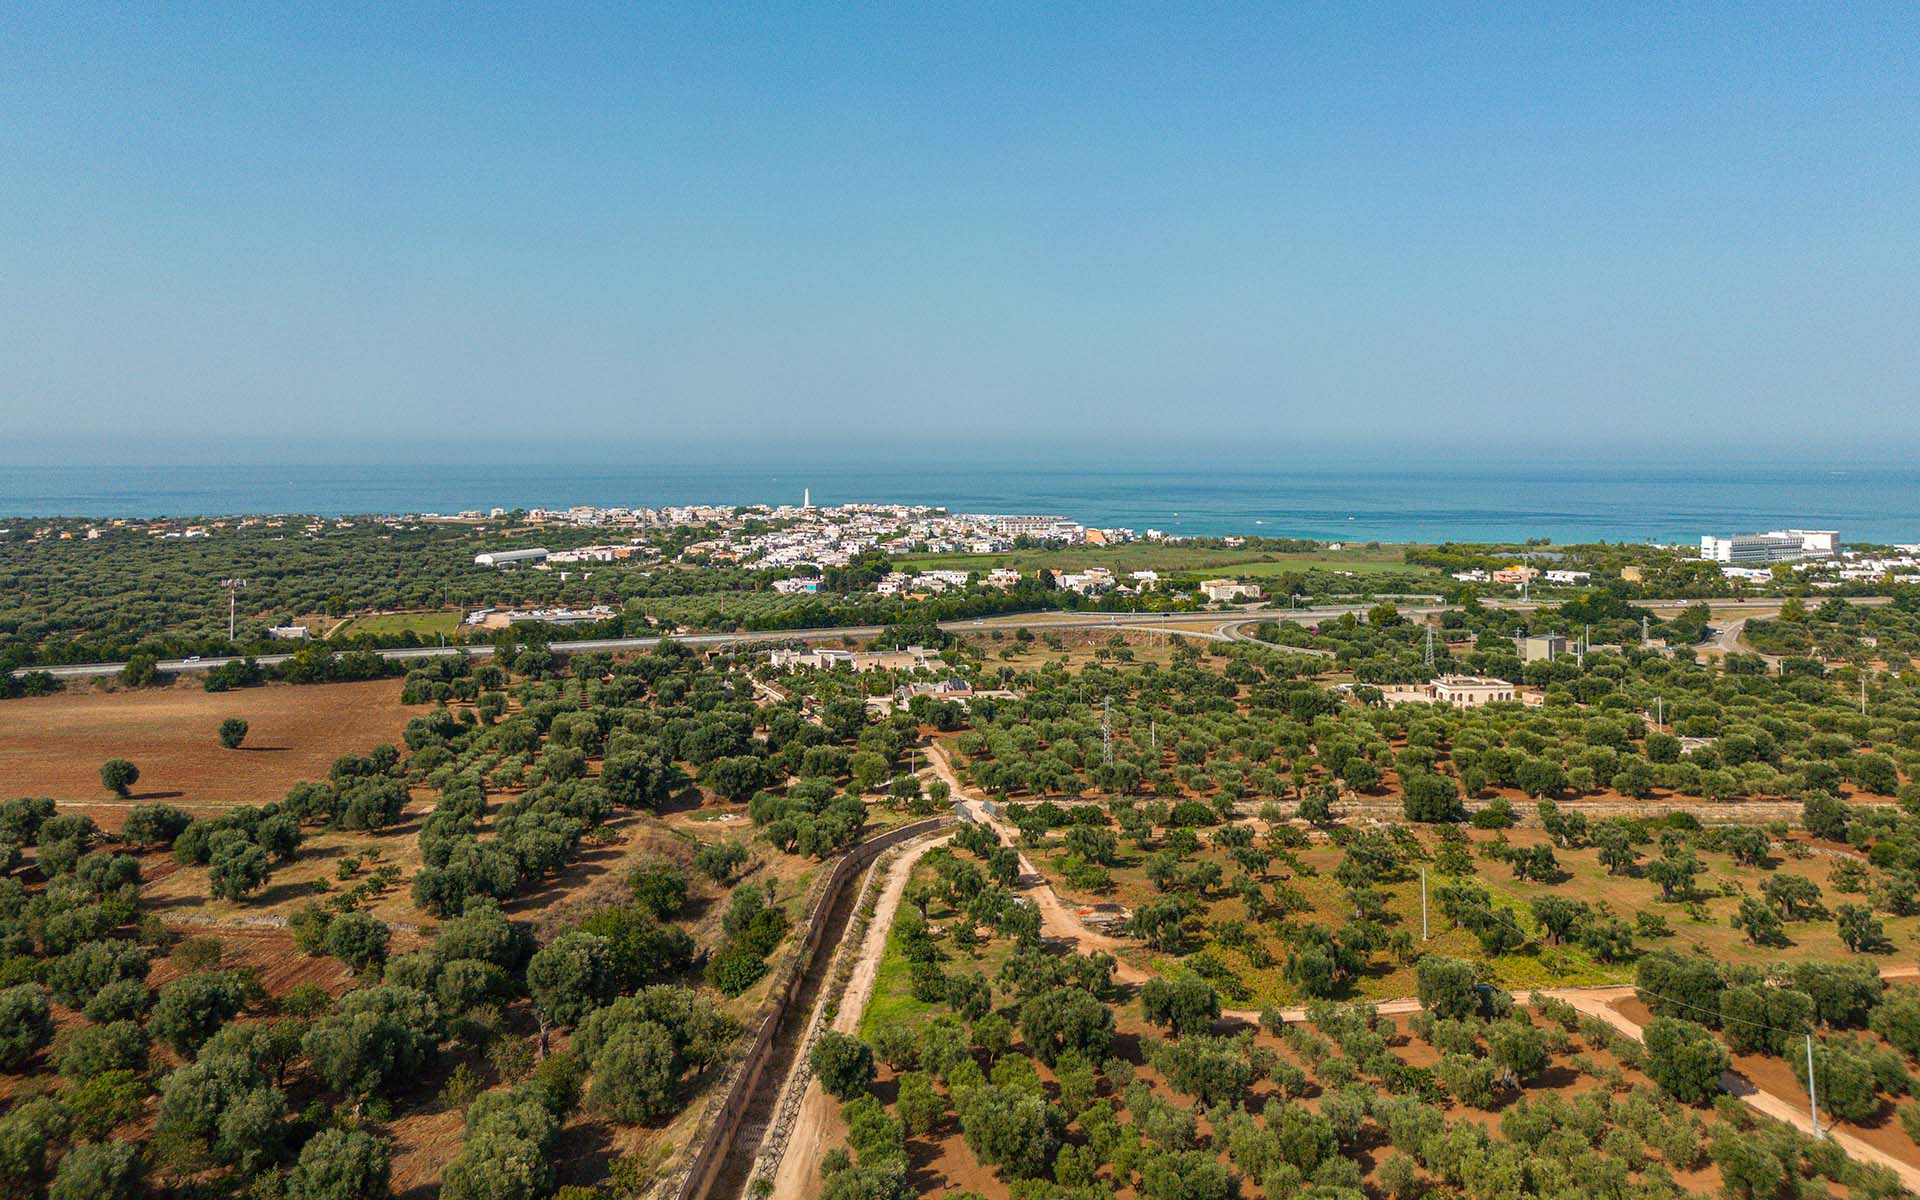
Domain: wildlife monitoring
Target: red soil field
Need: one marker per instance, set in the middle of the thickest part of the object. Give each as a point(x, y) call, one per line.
point(54, 745)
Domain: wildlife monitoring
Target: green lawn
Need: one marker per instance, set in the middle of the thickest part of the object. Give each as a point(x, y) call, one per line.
point(425, 623)
point(892, 999)
point(1150, 556)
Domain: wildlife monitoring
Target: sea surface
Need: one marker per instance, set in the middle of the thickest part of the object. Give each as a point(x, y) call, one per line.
point(1384, 498)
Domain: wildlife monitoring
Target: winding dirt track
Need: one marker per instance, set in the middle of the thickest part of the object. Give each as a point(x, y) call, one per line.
point(1599, 1002)
point(1057, 917)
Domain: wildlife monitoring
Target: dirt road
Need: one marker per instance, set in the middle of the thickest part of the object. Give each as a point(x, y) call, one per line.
point(1058, 918)
point(1599, 1002)
point(816, 1128)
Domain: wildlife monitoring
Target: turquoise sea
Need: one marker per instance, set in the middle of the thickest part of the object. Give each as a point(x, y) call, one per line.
point(1398, 498)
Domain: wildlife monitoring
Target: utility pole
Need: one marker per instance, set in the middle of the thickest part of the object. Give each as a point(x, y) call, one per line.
point(1644, 639)
point(1423, 904)
point(1429, 646)
point(1863, 691)
point(233, 587)
point(1813, 1102)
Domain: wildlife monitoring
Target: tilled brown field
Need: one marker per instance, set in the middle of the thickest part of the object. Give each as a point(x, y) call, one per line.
point(54, 745)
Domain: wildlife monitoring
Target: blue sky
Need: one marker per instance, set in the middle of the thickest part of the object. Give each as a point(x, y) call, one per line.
point(635, 225)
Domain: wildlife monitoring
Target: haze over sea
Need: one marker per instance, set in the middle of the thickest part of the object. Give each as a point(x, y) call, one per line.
point(1326, 495)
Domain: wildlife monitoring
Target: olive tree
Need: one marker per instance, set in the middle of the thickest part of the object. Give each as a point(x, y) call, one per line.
point(508, 1152)
point(1187, 1005)
point(1846, 1082)
point(99, 1171)
point(341, 1165)
point(842, 1063)
point(154, 824)
point(1066, 1018)
point(25, 1025)
point(636, 1074)
point(1447, 987)
point(84, 972)
point(1684, 1058)
point(1010, 1129)
point(571, 976)
point(358, 939)
point(28, 1130)
point(235, 866)
point(191, 1008)
point(118, 776)
point(97, 1049)
point(374, 1038)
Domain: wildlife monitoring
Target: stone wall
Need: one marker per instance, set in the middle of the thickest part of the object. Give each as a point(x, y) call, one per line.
point(727, 1105)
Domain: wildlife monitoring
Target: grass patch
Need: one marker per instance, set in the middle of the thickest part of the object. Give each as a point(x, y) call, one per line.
point(892, 998)
point(386, 624)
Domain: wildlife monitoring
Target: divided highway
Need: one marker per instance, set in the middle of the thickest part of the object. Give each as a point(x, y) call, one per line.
point(1143, 622)
point(1224, 628)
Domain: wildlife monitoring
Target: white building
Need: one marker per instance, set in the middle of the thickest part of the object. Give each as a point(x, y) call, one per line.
point(1821, 542)
point(558, 616)
point(503, 558)
point(1085, 582)
point(1781, 545)
point(1568, 576)
point(913, 658)
point(1227, 589)
point(939, 581)
point(821, 660)
point(1472, 691)
point(1046, 529)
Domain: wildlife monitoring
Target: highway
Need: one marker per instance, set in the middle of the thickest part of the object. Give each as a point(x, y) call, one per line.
point(1223, 627)
point(1140, 622)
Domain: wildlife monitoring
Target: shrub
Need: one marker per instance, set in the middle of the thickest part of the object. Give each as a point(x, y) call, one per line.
point(659, 888)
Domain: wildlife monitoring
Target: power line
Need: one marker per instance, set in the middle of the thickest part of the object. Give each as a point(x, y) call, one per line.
point(1813, 1101)
point(1716, 1012)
